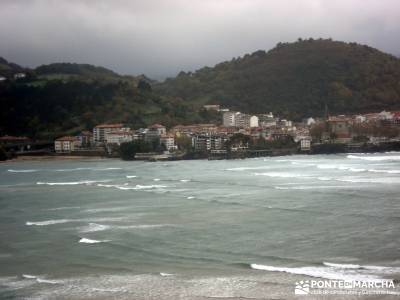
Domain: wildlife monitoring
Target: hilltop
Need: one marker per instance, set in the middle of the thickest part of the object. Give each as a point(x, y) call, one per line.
point(296, 80)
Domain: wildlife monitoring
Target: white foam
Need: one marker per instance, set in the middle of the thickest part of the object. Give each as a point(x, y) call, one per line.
point(41, 280)
point(281, 175)
point(384, 171)
point(27, 276)
point(89, 241)
point(22, 171)
point(185, 180)
point(143, 226)
point(87, 182)
point(48, 222)
point(310, 187)
point(156, 179)
point(320, 272)
point(131, 176)
point(166, 274)
point(64, 208)
point(93, 227)
point(247, 168)
point(382, 269)
point(375, 158)
point(190, 197)
point(89, 169)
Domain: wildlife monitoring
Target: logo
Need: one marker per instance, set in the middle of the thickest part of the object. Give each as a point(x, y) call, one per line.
point(302, 287)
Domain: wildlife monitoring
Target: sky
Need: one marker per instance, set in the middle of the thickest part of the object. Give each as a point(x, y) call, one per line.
point(160, 38)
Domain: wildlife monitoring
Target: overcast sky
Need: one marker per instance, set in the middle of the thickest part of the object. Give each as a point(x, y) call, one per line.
point(162, 37)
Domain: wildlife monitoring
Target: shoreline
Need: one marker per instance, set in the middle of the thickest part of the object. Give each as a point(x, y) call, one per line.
point(52, 158)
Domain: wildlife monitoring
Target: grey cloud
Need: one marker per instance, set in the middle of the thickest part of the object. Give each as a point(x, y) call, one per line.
point(160, 37)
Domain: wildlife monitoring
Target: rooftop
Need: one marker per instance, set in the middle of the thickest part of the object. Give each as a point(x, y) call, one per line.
point(110, 125)
point(67, 139)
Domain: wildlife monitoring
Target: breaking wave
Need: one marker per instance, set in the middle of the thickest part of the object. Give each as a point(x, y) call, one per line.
point(327, 272)
point(48, 222)
point(375, 158)
point(282, 175)
point(87, 182)
point(93, 227)
point(89, 241)
point(22, 171)
point(131, 176)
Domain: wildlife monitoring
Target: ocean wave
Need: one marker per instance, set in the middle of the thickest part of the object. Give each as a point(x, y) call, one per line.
point(282, 175)
point(131, 176)
point(64, 208)
point(89, 169)
point(384, 171)
point(184, 180)
point(93, 227)
point(309, 187)
point(247, 168)
point(380, 269)
point(22, 171)
point(156, 179)
point(190, 197)
point(90, 241)
point(321, 272)
point(375, 158)
point(27, 276)
point(48, 222)
point(387, 180)
point(166, 274)
point(87, 182)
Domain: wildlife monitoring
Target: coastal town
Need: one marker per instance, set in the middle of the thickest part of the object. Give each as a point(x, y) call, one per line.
point(238, 135)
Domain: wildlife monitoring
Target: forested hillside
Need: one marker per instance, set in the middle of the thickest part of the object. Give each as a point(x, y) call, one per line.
point(297, 80)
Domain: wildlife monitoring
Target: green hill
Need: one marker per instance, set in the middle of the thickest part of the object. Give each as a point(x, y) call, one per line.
point(8, 69)
point(297, 79)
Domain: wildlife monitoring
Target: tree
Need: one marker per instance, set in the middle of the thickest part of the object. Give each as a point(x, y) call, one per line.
point(144, 86)
point(3, 154)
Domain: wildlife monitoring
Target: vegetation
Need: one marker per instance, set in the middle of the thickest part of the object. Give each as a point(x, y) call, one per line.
point(128, 150)
point(297, 80)
point(3, 154)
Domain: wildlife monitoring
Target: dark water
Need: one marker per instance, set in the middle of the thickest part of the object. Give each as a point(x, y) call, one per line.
point(196, 229)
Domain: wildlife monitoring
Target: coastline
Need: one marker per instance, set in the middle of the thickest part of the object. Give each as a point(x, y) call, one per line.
point(52, 158)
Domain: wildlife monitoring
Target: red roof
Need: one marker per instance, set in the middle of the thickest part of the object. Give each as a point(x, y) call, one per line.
point(67, 139)
point(110, 126)
point(157, 126)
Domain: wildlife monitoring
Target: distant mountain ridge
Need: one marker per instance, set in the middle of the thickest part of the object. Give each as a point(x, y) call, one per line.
point(8, 69)
point(296, 80)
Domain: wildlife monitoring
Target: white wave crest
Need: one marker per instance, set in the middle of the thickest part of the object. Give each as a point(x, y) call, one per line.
point(375, 158)
point(93, 227)
point(27, 276)
point(247, 168)
point(131, 176)
point(190, 197)
point(281, 175)
point(166, 274)
point(48, 222)
point(381, 269)
point(320, 272)
point(384, 171)
point(64, 208)
point(89, 241)
point(87, 182)
point(22, 171)
point(185, 180)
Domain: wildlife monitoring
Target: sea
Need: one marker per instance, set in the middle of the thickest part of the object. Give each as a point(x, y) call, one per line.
point(197, 229)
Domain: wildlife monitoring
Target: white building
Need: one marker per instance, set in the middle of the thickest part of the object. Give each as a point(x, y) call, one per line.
point(310, 121)
point(228, 118)
point(168, 141)
point(66, 144)
point(118, 137)
point(253, 121)
point(154, 132)
point(100, 131)
point(305, 144)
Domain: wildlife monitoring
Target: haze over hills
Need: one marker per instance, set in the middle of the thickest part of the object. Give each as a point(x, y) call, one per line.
point(297, 80)
point(293, 80)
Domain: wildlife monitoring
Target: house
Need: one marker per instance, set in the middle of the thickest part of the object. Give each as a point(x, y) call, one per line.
point(85, 139)
point(100, 131)
point(207, 142)
point(168, 141)
point(118, 137)
point(154, 132)
point(339, 127)
point(228, 118)
point(305, 144)
point(66, 144)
